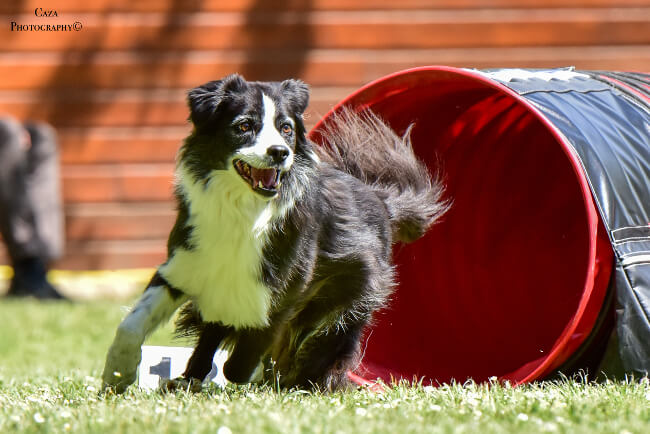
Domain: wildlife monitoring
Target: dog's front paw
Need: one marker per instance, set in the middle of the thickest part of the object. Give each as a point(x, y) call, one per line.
point(189, 385)
point(116, 383)
point(121, 363)
point(119, 372)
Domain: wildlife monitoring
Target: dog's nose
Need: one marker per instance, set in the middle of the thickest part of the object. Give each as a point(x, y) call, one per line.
point(279, 153)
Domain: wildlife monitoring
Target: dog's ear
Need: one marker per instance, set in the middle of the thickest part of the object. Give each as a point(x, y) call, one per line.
point(204, 101)
point(296, 93)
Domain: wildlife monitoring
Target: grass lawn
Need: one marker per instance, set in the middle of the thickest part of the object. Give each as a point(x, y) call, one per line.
point(51, 357)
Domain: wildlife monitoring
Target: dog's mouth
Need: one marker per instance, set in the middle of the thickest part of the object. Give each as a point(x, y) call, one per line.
point(263, 181)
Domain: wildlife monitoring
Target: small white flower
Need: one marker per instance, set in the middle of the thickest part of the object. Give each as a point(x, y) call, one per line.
point(67, 426)
point(38, 418)
point(435, 407)
point(91, 389)
point(65, 414)
point(522, 417)
point(549, 426)
point(224, 408)
point(361, 411)
point(224, 430)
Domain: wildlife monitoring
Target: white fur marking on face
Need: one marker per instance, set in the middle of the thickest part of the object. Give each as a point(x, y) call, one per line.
point(267, 137)
point(230, 227)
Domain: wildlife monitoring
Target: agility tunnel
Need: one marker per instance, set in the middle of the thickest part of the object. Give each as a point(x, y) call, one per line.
point(545, 252)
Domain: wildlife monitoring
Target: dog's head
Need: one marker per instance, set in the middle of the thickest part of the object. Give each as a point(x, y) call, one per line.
point(253, 128)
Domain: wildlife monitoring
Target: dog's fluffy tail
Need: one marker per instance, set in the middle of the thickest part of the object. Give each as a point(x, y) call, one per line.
point(364, 146)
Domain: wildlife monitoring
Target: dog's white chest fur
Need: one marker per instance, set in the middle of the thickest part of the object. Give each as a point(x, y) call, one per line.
point(222, 272)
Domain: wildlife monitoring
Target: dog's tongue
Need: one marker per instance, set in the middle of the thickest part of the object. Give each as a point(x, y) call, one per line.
point(267, 176)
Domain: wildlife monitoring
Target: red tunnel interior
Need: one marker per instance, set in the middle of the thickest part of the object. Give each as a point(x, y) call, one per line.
point(510, 282)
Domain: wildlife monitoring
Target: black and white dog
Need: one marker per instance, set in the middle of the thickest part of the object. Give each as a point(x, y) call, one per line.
point(281, 251)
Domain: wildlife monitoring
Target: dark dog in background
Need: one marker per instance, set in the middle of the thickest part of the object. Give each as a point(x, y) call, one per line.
point(281, 251)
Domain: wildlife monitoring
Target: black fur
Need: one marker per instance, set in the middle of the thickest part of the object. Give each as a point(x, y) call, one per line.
point(328, 261)
point(158, 280)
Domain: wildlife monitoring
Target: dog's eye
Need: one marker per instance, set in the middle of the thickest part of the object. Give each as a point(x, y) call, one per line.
point(287, 129)
point(244, 127)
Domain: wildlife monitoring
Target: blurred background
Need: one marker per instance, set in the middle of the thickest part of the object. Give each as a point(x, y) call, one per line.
point(115, 90)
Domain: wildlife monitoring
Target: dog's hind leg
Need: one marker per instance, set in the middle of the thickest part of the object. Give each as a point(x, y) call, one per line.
point(324, 358)
point(324, 337)
point(156, 305)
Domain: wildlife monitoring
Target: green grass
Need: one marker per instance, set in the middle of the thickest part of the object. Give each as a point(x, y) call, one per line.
point(51, 356)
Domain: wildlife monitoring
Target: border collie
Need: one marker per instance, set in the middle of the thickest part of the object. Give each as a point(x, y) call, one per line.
point(281, 251)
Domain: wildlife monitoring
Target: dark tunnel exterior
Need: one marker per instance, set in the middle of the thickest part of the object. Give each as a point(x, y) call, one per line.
point(605, 118)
